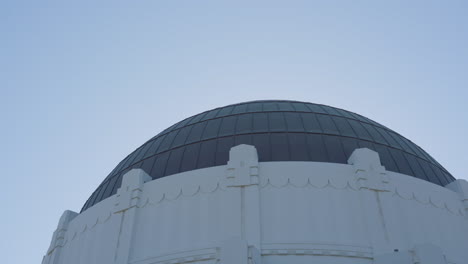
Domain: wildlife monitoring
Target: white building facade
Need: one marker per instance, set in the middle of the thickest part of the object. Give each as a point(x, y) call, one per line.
point(272, 212)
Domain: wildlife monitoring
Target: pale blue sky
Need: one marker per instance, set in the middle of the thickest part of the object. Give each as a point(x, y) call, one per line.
point(85, 83)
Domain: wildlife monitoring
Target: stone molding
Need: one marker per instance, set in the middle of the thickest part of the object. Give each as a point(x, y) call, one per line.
point(363, 252)
point(189, 256)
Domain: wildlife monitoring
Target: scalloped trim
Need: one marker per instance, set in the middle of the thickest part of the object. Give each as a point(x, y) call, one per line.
point(173, 189)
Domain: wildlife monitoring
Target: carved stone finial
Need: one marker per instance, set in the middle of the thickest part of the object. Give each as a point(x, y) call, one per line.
point(242, 167)
point(58, 237)
point(129, 194)
point(370, 174)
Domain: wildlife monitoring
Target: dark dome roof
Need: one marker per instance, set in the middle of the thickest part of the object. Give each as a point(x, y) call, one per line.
point(281, 131)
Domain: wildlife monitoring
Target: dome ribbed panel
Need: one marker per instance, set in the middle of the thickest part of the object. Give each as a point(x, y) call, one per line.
point(281, 131)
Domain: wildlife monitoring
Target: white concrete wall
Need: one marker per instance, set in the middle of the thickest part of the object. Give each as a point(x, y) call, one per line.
point(271, 213)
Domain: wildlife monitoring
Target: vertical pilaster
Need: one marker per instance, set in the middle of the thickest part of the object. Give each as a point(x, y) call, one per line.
point(461, 187)
point(242, 180)
point(372, 182)
point(128, 199)
point(58, 238)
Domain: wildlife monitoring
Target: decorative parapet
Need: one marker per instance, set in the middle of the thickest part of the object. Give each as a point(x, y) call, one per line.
point(369, 173)
point(277, 175)
point(302, 174)
point(130, 192)
point(128, 197)
point(242, 167)
point(321, 175)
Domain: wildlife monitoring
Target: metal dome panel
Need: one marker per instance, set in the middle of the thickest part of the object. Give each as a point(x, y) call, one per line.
point(280, 131)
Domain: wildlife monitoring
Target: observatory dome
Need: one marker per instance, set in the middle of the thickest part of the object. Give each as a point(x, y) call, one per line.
point(271, 182)
point(280, 131)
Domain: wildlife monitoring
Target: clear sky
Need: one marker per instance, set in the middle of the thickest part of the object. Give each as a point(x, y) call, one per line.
point(85, 83)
